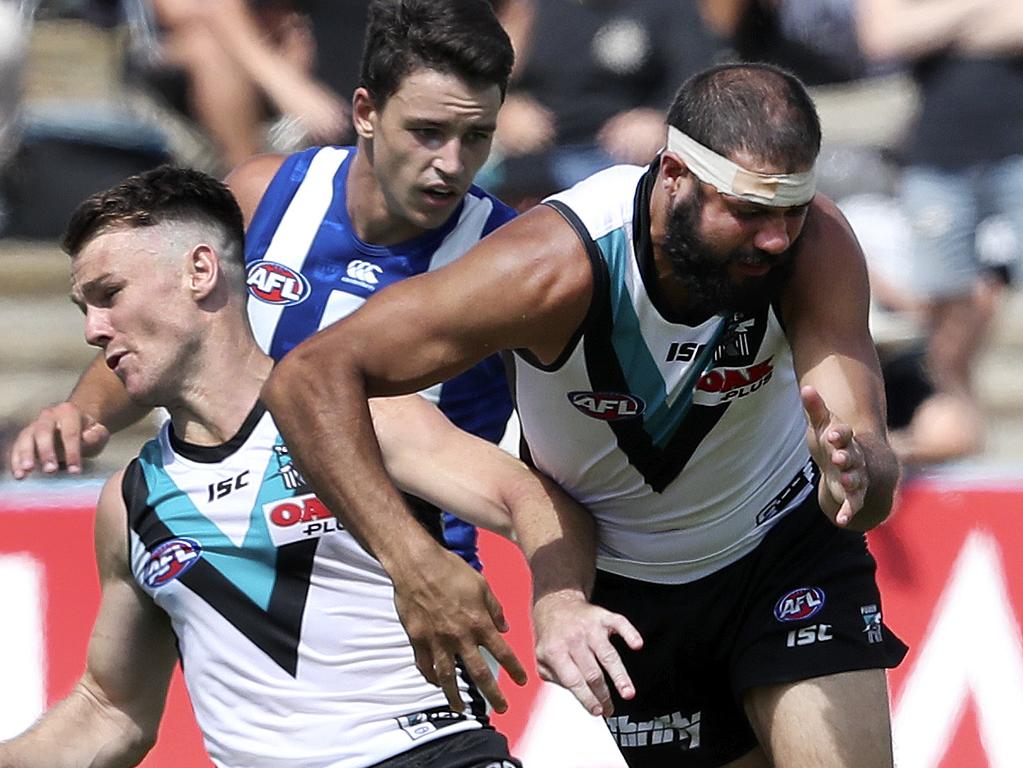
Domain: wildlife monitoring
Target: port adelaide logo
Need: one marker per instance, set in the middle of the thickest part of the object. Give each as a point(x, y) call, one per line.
point(799, 604)
point(170, 560)
point(275, 283)
point(607, 406)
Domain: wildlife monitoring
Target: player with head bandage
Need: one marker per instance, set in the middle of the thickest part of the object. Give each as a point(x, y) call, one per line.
point(691, 361)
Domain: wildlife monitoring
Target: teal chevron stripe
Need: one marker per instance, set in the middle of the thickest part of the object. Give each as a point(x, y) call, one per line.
point(660, 419)
point(252, 567)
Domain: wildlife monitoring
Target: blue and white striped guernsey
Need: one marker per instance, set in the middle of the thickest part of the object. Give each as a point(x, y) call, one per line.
point(307, 269)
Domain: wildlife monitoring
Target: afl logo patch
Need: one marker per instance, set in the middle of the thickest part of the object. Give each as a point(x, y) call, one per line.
point(607, 406)
point(275, 283)
point(170, 560)
point(799, 604)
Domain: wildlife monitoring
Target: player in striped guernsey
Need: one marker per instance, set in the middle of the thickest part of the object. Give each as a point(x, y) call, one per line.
point(329, 227)
point(211, 547)
point(692, 363)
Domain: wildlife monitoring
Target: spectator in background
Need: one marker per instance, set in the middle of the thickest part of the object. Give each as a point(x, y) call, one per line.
point(244, 63)
point(815, 39)
point(337, 28)
point(593, 78)
point(926, 425)
point(12, 61)
point(964, 163)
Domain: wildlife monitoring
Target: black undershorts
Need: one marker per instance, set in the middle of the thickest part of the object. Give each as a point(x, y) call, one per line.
point(803, 604)
point(479, 748)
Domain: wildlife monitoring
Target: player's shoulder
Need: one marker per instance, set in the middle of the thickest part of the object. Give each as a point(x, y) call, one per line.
point(829, 269)
point(827, 237)
point(249, 180)
point(495, 210)
point(111, 522)
point(604, 201)
point(112, 491)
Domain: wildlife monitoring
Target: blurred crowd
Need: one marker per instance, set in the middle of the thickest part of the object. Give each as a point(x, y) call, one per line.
point(921, 101)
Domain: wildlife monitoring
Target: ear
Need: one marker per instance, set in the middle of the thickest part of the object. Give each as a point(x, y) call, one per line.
point(673, 172)
point(203, 271)
point(364, 113)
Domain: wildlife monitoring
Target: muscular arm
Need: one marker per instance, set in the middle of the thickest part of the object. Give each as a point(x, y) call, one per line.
point(573, 647)
point(110, 719)
point(428, 456)
point(825, 312)
point(525, 286)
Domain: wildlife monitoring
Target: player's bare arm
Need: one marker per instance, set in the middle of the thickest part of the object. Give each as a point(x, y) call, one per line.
point(531, 284)
point(110, 719)
point(573, 636)
point(427, 455)
point(62, 435)
point(825, 312)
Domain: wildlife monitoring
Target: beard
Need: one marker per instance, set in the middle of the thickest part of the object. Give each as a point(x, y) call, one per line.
point(710, 290)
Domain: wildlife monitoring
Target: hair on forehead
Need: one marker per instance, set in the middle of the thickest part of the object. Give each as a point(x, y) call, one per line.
point(459, 37)
point(164, 195)
point(753, 107)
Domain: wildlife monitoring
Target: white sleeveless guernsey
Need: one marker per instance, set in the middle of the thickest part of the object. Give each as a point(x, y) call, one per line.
point(293, 654)
point(686, 443)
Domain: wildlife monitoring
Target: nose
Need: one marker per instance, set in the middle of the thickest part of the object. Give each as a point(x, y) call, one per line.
point(97, 327)
point(448, 160)
point(773, 235)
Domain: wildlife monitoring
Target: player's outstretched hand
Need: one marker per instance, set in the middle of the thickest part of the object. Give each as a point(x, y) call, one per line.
point(449, 612)
point(844, 477)
point(574, 650)
point(60, 437)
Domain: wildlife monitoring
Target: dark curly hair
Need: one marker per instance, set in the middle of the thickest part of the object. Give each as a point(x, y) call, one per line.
point(460, 37)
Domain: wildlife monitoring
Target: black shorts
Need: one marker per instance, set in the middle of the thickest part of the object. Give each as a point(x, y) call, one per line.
point(803, 604)
point(479, 748)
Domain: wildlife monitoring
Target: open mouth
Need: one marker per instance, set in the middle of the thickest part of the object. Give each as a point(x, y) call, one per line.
point(440, 195)
point(114, 359)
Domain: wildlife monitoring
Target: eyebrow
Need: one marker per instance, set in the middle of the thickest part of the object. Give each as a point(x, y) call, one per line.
point(489, 126)
point(86, 287)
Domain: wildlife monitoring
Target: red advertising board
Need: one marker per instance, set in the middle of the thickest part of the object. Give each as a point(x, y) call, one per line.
point(950, 568)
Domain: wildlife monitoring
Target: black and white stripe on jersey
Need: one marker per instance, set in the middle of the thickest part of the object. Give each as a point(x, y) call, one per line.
point(659, 465)
point(277, 629)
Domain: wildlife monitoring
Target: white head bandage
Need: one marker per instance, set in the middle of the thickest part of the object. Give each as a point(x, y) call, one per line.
point(780, 190)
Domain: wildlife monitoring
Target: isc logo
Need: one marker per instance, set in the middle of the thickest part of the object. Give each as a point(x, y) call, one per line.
point(607, 406)
point(275, 283)
point(815, 633)
point(221, 488)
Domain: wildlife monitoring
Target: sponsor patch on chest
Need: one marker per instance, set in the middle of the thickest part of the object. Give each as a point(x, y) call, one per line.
point(720, 385)
point(298, 518)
